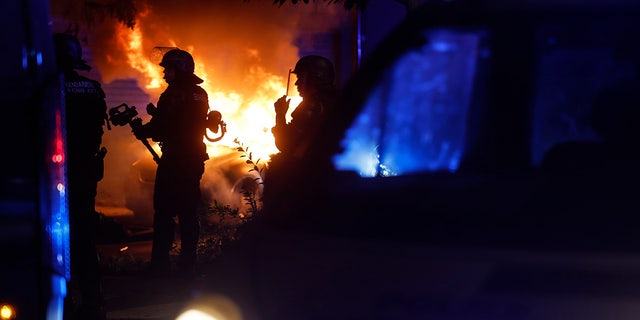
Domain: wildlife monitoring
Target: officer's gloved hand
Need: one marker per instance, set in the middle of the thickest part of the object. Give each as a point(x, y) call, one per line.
point(281, 107)
point(139, 132)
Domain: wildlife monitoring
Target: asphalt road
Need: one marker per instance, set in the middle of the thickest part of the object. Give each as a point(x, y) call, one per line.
point(275, 275)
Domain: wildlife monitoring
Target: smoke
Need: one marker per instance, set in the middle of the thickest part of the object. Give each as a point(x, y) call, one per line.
point(243, 50)
point(235, 36)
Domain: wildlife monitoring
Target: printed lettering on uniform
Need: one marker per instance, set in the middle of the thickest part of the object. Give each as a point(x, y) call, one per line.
point(81, 87)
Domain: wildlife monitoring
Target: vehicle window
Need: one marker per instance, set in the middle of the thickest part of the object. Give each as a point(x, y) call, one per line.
point(415, 119)
point(577, 62)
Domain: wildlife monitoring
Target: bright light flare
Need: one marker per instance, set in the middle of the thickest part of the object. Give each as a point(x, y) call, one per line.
point(195, 315)
point(7, 312)
point(212, 307)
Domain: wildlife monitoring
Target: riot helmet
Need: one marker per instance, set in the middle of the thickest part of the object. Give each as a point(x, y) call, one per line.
point(319, 69)
point(181, 61)
point(69, 52)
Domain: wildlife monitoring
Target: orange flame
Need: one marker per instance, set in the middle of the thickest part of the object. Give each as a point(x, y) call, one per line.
point(249, 117)
point(137, 59)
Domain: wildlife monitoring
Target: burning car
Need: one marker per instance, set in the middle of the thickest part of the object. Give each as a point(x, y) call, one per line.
point(227, 180)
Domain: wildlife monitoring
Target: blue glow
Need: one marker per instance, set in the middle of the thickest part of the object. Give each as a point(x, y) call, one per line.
point(25, 58)
point(442, 46)
point(55, 309)
point(55, 211)
point(415, 119)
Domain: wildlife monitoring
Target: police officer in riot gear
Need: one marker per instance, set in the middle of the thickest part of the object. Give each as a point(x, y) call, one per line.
point(86, 114)
point(315, 84)
point(178, 124)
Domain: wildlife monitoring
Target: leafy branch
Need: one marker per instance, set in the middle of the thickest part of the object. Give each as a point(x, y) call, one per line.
point(245, 153)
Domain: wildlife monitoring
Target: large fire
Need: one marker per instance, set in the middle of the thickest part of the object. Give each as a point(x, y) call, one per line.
point(242, 50)
point(249, 116)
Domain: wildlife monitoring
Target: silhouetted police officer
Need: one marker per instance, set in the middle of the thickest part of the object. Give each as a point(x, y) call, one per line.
point(85, 117)
point(178, 124)
point(315, 84)
point(291, 173)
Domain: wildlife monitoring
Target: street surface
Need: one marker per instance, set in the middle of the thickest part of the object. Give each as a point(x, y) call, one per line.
point(272, 275)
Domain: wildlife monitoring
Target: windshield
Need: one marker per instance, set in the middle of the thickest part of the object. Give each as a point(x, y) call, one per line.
point(414, 120)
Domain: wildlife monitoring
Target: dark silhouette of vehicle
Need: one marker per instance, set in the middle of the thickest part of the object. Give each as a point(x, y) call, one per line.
point(440, 207)
point(33, 181)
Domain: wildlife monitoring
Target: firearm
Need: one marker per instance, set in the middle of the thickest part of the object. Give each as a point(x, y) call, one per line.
point(123, 115)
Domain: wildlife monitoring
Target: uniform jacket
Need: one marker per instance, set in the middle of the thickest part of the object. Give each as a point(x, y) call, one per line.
point(86, 113)
point(293, 139)
point(179, 122)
